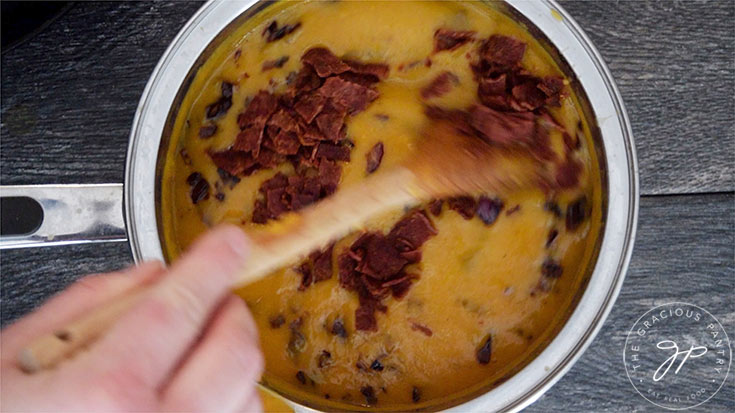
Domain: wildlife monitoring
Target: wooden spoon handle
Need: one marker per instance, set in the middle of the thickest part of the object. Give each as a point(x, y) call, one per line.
point(297, 235)
point(276, 245)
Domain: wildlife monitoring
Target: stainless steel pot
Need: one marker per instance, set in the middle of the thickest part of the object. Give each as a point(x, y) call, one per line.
point(94, 213)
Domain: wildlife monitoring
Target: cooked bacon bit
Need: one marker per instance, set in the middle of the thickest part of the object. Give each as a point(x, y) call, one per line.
point(373, 266)
point(415, 229)
point(185, 156)
point(369, 394)
point(422, 328)
point(374, 157)
point(382, 258)
point(445, 39)
point(379, 70)
point(317, 268)
point(272, 32)
point(331, 124)
point(441, 85)
point(324, 62)
point(576, 213)
point(259, 110)
point(502, 83)
point(503, 51)
point(485, 351)
point(488, 209)
point(464, 205)
point(461, 120)
point(296, 125)
point(322, 264)
point(301, 377)
point(308, 106)
point(221, 106)
point(416, 395)
point(551, 268)
point(277, 321)
point(306, 276)
point(226, 90)
point(274, 64)
point(377, 365)
point(218, 108)
point(435, 207)
point(333, 152)
point(567, 174)
point(284, 194)
point(237, 54)
point(552, 236)
point(503, 128)
point(530, 93)
point(249, 140)
point(324, 360)
point(427, 62)
point(349, 95)
point(365, 319)
point(513, 210)
point(297, 341)
point(338, 328)
point(553, 207)
point(199, 187)
point(207, 131)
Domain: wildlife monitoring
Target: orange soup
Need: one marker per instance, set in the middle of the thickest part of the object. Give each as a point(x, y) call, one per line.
point(422, 306)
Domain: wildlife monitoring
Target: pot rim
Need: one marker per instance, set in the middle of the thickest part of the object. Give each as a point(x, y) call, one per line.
point(617, 235)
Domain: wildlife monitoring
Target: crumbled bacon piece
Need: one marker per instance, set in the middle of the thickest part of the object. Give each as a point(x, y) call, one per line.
point(503, 128)
point(308, 106)
point(441, 85)
point(576, 213)
point(234, 162)
point(324, 62)
point(274, 64)
point(415, 228)
point(464, 205)
point(422, 328)
point(551, 237)
point(199, 187)
point(488, 209)
point(374, 157)
point(446, 39)
point(373, 266)
point(365, 319)
point(330, 124)
point(322, 261)
point(379, 70)
point(207, 131)
point(551, 268)
point(568, 172)
point(503, 51)
point(259, 110)
point(485, 351)
point(435, 207)
point(352, 96)
point(333, 152)
point(272, 32)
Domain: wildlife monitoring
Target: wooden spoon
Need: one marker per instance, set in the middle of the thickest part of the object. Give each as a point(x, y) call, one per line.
point(445, 163)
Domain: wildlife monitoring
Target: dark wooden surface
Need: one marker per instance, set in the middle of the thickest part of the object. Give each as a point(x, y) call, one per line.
point(68, 97)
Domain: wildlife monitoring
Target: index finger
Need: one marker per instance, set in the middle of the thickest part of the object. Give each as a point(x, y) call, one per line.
point(145, 345)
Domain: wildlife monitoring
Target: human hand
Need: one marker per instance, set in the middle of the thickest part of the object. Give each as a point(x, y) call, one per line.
point(188, 346)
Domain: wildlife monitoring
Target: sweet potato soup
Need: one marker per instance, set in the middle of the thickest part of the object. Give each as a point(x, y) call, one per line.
point(422, 306)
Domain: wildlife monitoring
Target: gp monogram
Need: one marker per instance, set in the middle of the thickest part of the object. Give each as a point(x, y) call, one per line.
point(677, 356)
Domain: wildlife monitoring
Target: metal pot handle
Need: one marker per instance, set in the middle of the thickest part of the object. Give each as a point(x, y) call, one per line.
point(46, 215)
